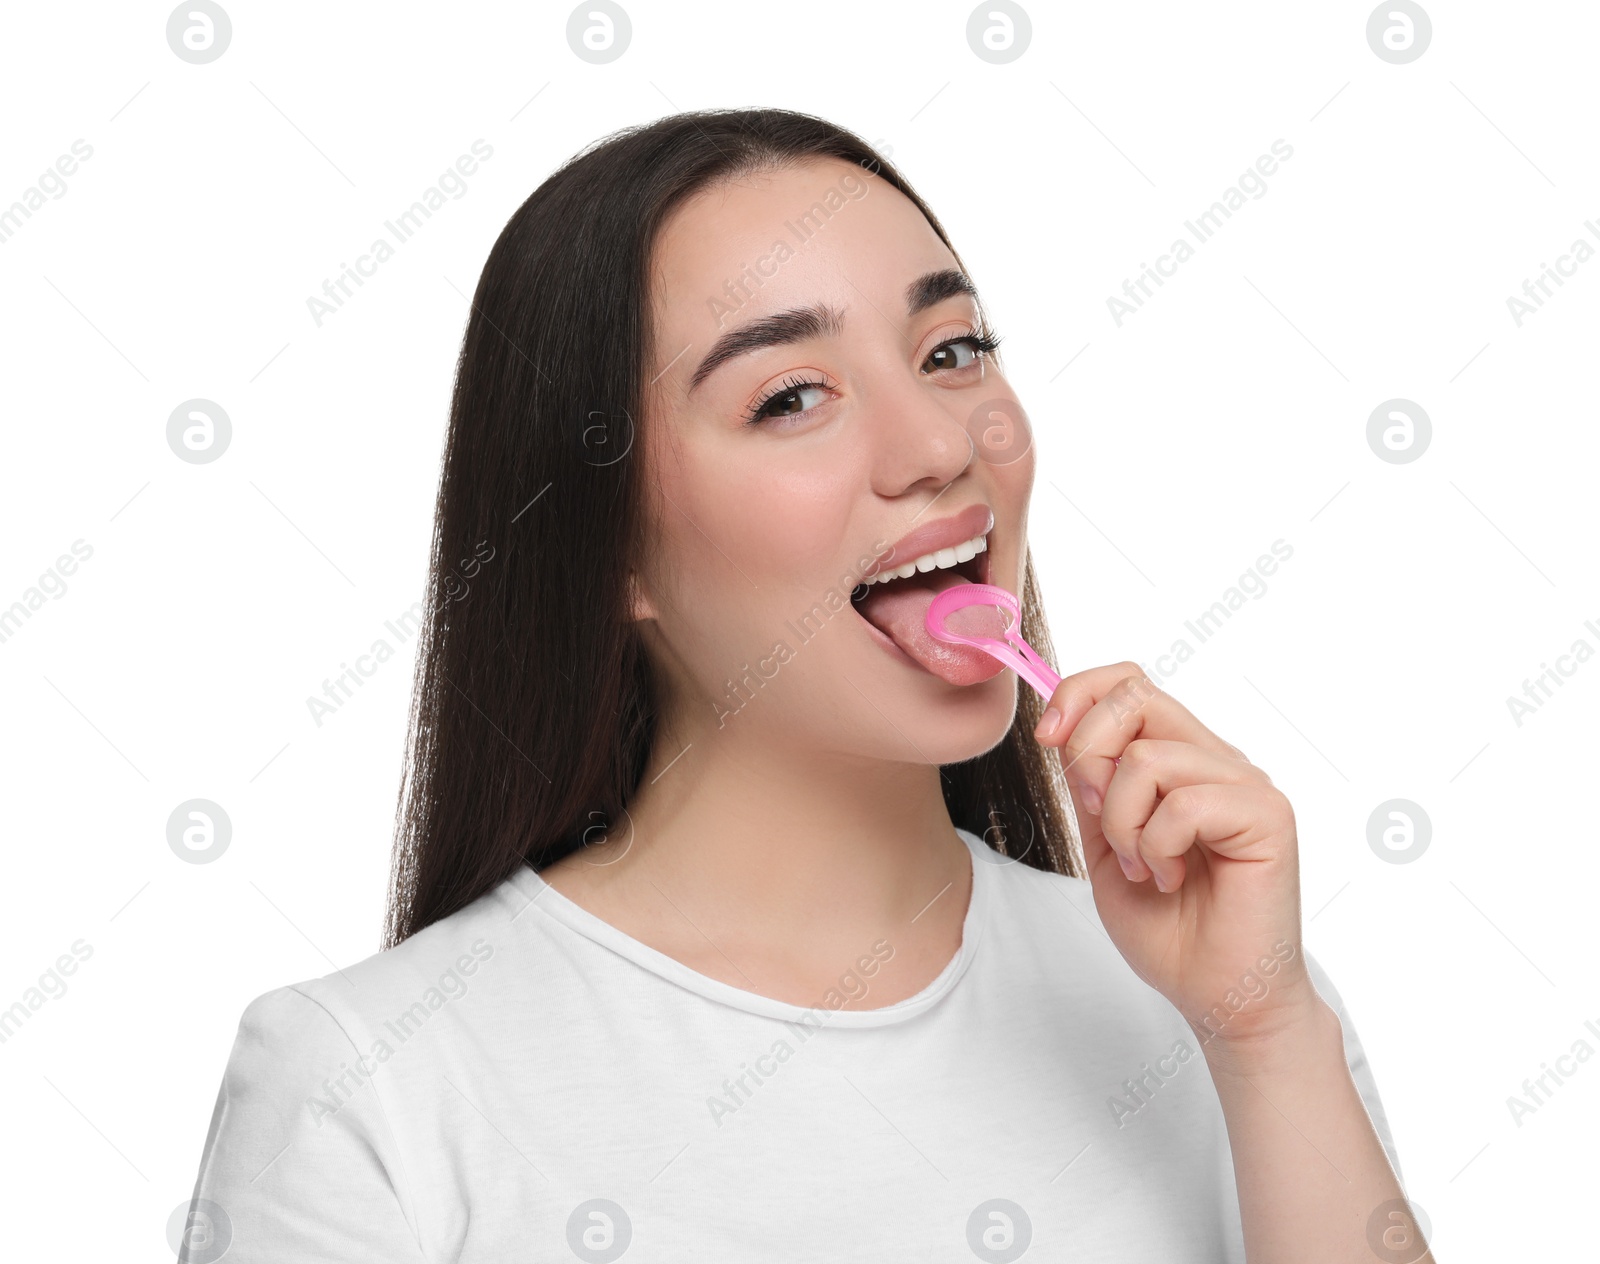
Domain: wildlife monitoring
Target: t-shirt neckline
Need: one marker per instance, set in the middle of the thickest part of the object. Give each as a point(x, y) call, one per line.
point(552, 904)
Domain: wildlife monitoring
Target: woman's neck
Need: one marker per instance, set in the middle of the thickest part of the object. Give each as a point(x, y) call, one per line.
point(776, 871)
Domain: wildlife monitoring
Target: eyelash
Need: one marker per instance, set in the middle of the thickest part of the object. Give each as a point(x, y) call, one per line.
point(983, 343)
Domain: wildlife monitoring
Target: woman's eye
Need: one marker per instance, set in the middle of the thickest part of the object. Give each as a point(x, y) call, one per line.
point(788, 401)
point(947, 357)
point(795, 398)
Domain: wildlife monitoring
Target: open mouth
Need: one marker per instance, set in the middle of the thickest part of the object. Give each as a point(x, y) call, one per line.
point(969, 559)
point(896, 606)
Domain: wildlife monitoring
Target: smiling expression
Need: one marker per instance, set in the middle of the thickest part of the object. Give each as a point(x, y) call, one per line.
point(818, 362)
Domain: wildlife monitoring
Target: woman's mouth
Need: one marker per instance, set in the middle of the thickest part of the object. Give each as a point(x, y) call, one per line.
point(894, 604)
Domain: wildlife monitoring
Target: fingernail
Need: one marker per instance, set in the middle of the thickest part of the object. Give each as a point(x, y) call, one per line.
point(1049, 722)
point(1091, 799)
point(1160, 886)
point(1127, 867)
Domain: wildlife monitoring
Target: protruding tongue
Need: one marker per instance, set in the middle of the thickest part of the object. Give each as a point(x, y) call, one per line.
point(899, 609)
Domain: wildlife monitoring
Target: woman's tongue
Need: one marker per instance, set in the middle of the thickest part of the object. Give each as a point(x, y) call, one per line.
point(899, 609)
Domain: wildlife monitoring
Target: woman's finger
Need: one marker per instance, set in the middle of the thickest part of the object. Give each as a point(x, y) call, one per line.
point(1235, 822)
point(1147, 771)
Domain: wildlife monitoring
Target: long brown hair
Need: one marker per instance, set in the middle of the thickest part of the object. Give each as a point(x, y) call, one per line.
point(533, 709)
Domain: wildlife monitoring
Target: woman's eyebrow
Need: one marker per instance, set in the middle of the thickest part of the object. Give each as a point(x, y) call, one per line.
point(795, 325)
point(819, 320)
point(935, 287)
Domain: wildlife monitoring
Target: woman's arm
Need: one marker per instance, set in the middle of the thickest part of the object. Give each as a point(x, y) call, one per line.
point(1193, 856)
point(1314, 1181)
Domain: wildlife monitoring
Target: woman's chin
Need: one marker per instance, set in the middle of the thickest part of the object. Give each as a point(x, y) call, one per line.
point(969, 721)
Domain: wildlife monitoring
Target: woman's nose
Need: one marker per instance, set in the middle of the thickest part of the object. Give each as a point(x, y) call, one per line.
point(919, 438)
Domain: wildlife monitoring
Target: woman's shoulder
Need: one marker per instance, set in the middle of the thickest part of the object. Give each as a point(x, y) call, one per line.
point(395, 990)
point(326, 1076)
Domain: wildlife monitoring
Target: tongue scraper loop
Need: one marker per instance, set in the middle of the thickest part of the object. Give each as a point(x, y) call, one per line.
point(1013, 652)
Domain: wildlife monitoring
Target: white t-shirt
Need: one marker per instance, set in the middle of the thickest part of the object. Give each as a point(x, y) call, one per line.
point(523, 1081)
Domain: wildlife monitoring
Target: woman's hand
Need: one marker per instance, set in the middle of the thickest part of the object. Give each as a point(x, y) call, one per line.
point(1192, 856)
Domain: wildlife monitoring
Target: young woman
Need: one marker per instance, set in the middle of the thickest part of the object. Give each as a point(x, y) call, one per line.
point(733, 916)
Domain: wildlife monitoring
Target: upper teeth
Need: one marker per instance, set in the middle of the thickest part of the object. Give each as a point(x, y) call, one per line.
point(943, 559)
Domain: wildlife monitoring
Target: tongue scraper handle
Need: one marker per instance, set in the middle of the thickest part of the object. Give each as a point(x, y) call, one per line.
point(1013, 652)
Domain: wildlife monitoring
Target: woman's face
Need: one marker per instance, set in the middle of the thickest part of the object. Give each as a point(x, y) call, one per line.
point(849, 410)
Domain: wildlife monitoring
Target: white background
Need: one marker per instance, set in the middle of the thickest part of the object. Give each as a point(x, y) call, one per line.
point(1231, 411)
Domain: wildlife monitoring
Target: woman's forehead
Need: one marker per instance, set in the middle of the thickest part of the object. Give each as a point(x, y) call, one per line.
point(791, 240)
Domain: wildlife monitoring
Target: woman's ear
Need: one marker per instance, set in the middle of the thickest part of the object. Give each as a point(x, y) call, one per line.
point(639, 604)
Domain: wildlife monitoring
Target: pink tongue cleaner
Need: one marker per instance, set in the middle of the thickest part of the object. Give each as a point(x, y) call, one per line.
point(900, 610)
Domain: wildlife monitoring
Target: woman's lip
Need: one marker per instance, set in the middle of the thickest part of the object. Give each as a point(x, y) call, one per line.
point(975, 520)
point(984, 561)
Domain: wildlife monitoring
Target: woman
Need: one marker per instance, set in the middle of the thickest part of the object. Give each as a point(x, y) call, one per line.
point(733, 916)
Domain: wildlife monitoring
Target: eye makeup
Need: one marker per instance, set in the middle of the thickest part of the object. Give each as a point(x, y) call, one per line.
point(982, 344)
